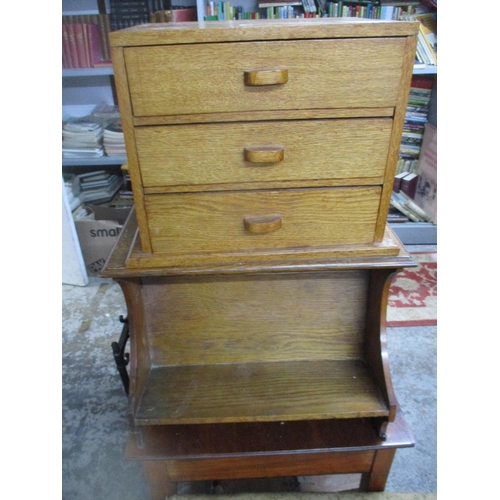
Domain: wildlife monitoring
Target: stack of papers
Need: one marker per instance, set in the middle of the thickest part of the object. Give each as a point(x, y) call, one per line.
point(82, 138)
point(113, 140)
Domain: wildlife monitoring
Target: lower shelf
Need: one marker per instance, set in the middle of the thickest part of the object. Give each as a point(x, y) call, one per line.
point(258, 392)
point(416, 233)
point(264, 438)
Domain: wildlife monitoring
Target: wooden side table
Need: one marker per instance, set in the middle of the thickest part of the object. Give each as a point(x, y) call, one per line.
point(275, 369)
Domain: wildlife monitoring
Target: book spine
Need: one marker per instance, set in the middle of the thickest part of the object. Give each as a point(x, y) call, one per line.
point(409, 187)
point(94, 44)
point(67, 57)
point(103, 35)
point(86, 45)
point(80, 45)
point(72, 45)
point(397, 184)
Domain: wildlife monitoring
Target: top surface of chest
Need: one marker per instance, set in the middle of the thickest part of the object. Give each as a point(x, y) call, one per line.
point(252, 30)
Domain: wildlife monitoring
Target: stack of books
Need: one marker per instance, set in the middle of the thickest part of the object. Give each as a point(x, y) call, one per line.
point(91, 187)
point(82, 138)
point(127, 13)
point(99, 187)
point(417, 115)
point(73, 191)
point(113, 139)
point(408, 207)
point(427, 37)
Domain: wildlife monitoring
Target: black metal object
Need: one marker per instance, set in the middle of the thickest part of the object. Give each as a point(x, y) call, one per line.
point(121, 357)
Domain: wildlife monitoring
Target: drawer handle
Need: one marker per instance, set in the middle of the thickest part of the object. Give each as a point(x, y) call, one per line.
point(260, 77)
point(264, 154)
point(262, 224)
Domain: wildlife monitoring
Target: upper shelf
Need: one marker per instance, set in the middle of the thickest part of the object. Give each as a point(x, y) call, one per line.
point(426, 70)
point(78, 72)
point(91, 162)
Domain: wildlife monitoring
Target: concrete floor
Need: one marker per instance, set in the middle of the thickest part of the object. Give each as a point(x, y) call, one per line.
point(94, 407)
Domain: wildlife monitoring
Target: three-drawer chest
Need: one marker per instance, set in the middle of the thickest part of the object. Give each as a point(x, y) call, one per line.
point(257, 262)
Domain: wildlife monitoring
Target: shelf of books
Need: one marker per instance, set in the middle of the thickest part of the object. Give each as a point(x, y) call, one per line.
point(413, 211)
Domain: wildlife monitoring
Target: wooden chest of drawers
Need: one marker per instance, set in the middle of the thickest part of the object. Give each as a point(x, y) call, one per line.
point(247, 140)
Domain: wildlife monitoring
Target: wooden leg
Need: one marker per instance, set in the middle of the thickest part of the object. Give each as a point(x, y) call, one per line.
point(160, 484)
point(375, 480)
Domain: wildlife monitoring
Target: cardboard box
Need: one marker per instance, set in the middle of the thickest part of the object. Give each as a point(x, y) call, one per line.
point(97, 234)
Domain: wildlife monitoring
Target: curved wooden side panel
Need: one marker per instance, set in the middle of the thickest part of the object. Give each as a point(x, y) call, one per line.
point(140, 360)
point(376, 339)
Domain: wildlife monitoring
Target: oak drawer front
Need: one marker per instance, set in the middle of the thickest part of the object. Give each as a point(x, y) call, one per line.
point(183, 155)
point(278, 75)
point(194, 223)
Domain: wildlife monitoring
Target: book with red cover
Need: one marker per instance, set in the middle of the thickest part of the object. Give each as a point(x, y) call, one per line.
point(95, 49)
point(183, 15)
point(397, 181)
point(81, 48)
point(422, 81)
point(409, 185)
point(72, 45)
point(67, 57)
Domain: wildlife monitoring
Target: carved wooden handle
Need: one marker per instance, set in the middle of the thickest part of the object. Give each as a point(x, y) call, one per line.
point(264, 154)
point(262, 224)
point(260, 77)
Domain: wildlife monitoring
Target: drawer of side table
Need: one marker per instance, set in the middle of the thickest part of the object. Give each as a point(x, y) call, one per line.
point(270, 151)
point(195, 223)
point(252, 76)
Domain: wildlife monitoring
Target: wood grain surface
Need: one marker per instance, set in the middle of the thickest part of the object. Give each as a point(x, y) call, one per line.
point(127, 259)
point(259, 438)
point(263, 29)
point(252, 392)
point(214, 222)
point(209, 78)
point(120, 73)
point(256, 318)
point(193, 155)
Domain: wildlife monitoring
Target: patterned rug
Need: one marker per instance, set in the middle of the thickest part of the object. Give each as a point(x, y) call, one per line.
point(413, 293)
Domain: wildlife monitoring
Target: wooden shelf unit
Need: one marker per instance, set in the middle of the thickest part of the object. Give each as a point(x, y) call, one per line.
point(305, 387)
point(257, 343)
